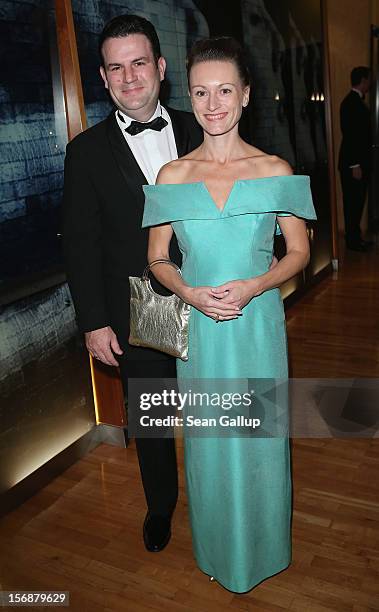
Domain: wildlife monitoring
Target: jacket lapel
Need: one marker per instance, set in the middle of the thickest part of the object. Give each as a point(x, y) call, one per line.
point(124, 158)
point(180, 133)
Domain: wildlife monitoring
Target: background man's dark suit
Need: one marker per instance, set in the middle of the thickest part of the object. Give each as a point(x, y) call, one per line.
point(355, 149)
point(104, 245)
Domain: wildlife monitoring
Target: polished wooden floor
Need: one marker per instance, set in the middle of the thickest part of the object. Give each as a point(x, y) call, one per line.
point(82, 533)
point(333, 332)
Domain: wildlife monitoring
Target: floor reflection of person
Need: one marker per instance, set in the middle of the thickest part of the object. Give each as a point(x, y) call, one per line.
point(224, 201)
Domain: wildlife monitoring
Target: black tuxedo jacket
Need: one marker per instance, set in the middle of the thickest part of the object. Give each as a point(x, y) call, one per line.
point(103, 240)
point(356, 134)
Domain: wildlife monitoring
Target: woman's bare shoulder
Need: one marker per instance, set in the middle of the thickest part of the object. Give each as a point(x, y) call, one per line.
point(272, 165)
point(169, 173)
point(174, 172)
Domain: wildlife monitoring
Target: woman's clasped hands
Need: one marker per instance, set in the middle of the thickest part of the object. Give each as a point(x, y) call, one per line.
point(225, 302)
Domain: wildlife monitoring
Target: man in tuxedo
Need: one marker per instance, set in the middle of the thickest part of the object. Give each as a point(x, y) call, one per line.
point(104, 244)
point(354, 156)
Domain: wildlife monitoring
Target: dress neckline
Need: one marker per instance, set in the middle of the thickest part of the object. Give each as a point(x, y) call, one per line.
point(219, 208)
point(233, 187)
point(203, 186)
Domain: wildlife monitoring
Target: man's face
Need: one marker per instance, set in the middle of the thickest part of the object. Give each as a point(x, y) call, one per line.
point(131, 75)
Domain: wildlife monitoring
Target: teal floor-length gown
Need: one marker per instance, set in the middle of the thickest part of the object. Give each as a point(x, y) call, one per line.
point(239, 488)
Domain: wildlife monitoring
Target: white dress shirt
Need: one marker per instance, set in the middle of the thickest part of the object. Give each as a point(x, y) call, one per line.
point(150, 148)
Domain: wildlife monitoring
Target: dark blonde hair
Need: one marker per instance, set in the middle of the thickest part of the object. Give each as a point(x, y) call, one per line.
point(219, 48)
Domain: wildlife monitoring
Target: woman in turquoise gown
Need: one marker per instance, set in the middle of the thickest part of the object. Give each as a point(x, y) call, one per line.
point(225, 201)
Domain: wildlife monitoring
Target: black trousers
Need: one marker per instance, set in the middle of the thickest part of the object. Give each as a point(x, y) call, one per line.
point(156, 456)
point(354, 195)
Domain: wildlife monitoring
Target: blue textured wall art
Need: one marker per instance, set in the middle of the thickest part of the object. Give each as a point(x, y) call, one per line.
point(32, 141)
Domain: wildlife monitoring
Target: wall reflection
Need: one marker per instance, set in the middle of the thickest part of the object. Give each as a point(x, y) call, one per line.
point(45, 386)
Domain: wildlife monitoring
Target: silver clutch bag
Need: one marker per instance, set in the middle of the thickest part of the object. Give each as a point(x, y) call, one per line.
point(157, 321)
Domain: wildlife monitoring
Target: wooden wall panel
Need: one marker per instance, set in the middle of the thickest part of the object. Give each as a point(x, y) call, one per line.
point(329, 130)
point(107, 388)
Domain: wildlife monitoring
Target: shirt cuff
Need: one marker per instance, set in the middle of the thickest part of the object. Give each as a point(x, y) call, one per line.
point(355, 166)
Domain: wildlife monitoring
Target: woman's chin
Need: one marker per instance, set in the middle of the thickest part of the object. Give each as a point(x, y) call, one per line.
point(217, 130)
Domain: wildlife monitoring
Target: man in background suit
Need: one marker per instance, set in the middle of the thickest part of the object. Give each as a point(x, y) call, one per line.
point(104, 244)
point(354, 156)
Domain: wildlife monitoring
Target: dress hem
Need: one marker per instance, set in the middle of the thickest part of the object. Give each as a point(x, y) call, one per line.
point(270, 574)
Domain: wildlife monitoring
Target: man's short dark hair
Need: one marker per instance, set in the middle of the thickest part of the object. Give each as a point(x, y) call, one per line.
point(359, 73)
point(124, 25)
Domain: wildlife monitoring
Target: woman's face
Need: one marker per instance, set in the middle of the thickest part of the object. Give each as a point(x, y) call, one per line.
point(217, 95)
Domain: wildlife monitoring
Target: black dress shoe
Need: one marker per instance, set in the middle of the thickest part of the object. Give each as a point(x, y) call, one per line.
point(156, 532)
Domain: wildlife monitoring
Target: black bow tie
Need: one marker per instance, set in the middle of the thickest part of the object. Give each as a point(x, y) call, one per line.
point(136, 127)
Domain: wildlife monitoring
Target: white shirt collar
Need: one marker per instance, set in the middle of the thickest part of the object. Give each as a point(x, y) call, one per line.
point(128, 120)
point(358, 92)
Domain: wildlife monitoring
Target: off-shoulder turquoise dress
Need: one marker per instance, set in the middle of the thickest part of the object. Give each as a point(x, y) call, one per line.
point(239, 488)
